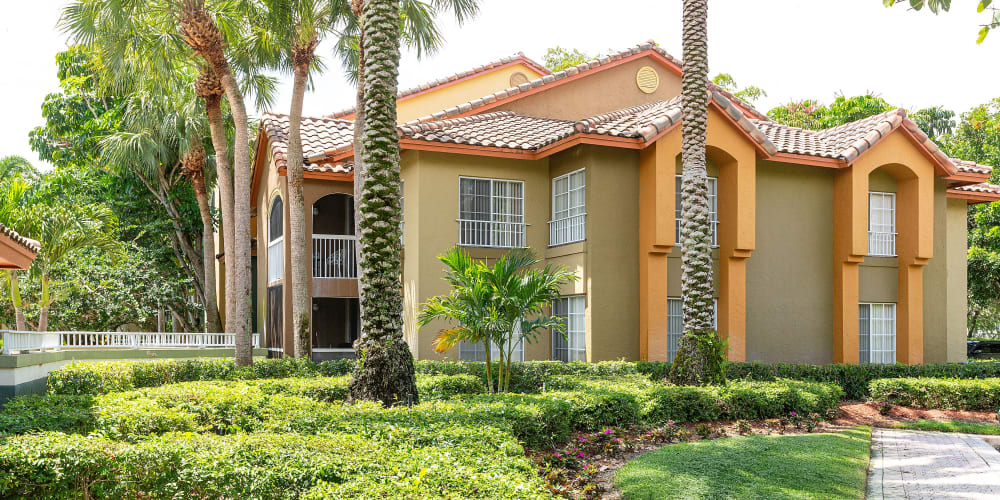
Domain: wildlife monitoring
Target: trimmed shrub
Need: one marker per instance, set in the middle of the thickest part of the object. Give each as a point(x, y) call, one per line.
point(325, 389)
point(442, 387)
point(66, 413)
point(264, 466)
point(937, 393)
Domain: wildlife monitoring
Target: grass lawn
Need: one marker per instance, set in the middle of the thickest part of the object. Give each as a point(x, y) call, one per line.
point(933, 425)
point(827, 465)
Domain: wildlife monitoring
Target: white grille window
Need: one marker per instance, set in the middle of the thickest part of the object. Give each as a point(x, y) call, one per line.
point(882, 224)
point(570, 345)
point(491, 213)
point(713, 209)
point(675, 324)
point(469, 351)
point(275, 241)
point(569, 209)
point(877, 333)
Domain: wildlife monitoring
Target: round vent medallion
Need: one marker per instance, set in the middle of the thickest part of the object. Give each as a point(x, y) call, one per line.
point(517, 79)
point(647, 79)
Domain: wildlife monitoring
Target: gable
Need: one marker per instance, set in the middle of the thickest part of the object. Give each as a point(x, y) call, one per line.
point(597, 91)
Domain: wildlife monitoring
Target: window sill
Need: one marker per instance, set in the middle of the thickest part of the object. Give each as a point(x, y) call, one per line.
point(566, 243)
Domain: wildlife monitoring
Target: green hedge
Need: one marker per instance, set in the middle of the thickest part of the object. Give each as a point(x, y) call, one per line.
point(956, 394)
point(527, 377)
point(268, 466)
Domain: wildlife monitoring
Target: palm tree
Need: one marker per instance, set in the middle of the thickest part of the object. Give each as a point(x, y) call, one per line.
point(13, 215)
point(17, 166)
point(491, 305)
point(194, 168)
point(384, 371)
point(695, 362)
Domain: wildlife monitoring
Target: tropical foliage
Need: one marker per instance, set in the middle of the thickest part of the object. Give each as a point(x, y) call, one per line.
point(500, 307)
point(992, 20)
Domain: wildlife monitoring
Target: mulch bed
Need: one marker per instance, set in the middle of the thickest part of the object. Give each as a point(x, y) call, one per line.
point(860, 413)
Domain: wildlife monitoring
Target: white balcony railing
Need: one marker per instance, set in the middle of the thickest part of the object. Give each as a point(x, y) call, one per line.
point(568, 230)
point(334, 256)
point(881, 244)
point(481, 233)
point(14, 341)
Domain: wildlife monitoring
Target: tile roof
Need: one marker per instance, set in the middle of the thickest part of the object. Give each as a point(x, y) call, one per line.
point(503, 129)
point(985, 188)
point(971, 167)
point(320, 136)
point(28, 243)
point(455, 77)
point(847, 142)
point(547, 79)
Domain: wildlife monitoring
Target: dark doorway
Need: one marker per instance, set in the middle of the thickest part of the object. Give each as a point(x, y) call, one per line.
point(275, 322)
point(335, 326)
point(334, 214)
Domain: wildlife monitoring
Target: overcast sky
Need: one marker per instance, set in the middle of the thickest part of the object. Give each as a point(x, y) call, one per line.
point(793, 49)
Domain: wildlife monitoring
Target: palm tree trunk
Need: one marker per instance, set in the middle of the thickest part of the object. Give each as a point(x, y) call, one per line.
point(384, 371)
point(692, 364)
point(43, 313)
point(359, 147)
point(202, 34)
point(208, 251)
point(217, 129)
point(15, 298)
point(301, 267)
point(489, 367)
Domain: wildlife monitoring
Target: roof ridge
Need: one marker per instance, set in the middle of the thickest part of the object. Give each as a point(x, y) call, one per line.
point(32, 245)
point(585, 124)
point(891, 112)
point(455, 77)
point(414, 127)
point(284, 116)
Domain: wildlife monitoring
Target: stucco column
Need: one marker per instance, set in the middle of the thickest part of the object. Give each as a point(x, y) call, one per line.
point(850, 245)
point(656, 238)
point(915, 246)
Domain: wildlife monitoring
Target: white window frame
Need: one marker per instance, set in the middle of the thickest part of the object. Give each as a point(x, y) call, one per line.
point(469, 351)
point(713, 209)
point(276, 247)
point(572, 347)
point(569, 225)
point(501, 230)
point(881, 235)
point(877, 332)
point(675, 323)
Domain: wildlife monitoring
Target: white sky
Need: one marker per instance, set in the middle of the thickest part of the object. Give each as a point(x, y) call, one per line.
point(793, 49)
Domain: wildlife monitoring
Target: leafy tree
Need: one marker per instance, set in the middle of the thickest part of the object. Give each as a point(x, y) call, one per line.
point(490, 305)
point(694, 364)
point(934, 121)
point(749, 94)
point(17, 167)
point(557, 58)
point(936, 6)
point(811, 115)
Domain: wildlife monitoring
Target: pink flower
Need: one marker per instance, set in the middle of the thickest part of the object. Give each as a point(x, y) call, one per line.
point(793, 413)
point(580, 454)
point(607, 431)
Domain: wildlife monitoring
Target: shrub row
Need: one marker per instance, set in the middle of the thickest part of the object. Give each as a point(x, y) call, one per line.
point(527, 377)
point(580, 403)
point(938, 393)
point(180, 465)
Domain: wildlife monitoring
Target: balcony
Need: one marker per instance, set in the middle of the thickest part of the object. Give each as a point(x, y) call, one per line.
point(490, 234)
point(881, 244)
point(567, 230)
point(334, 256)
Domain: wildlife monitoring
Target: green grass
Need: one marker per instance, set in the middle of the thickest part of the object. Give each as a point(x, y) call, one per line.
point(933, 425)
point(815, 466)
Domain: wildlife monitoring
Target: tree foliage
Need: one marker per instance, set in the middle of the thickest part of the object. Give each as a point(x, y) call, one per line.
point(751, 94)
point(992, 21)
point(557, 58)
point(811, 115)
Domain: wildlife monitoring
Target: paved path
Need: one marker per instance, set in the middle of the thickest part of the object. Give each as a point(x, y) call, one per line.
point(933, 465)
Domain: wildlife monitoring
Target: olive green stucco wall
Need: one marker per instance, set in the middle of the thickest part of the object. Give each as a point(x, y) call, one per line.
point(790, 273)
point(945, 287)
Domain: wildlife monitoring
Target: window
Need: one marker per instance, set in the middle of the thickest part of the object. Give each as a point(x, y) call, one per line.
point(491, 213)
point(275, 239)
point(469, 351)
point(877, 333)
point(882, 224)
point(572, 346)
point(569, 209)
point(675, 324)
point(713, 210)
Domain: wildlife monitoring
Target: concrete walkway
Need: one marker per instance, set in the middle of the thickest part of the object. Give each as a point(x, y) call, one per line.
point(933, 465)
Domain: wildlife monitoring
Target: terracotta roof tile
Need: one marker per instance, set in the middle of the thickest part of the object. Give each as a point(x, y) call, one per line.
point(27, 243)
point(984, 187)
point(457, 76)
point(971, 167)
point(320, 136)
point(502, 129)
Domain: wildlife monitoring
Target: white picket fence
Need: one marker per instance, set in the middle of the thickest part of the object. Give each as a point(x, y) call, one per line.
point(26, 341)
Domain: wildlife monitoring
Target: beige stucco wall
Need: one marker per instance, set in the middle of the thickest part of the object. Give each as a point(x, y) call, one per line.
point(789, 275)
point(418, 106)
point(607, 90)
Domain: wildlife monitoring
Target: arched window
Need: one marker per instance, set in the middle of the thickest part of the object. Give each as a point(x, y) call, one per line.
point(333, 237)
point(275, 240)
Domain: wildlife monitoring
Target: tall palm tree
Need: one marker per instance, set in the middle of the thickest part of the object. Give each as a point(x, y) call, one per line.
point(194, 168)
point(384, 371)
point(694, 362)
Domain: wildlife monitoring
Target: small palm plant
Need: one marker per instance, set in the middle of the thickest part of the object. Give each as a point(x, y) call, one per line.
point(491, 305)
